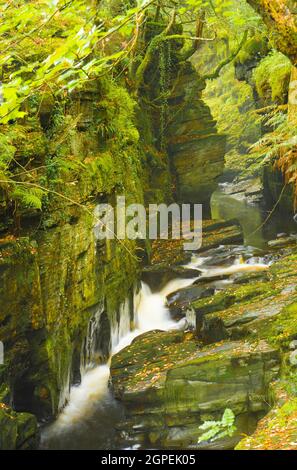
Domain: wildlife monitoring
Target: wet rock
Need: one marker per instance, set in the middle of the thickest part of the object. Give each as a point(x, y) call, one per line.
point(282, 235)
point(167, 394)
point(17, 430)
point(293, 345)
point(212, 277)
point(283, 241)
point(245, 278)
point(249, 190)
point(214, 234)
point(236, 311)
point(157, 276)
point(196, 150)
point(179, 301)
point(211, 329)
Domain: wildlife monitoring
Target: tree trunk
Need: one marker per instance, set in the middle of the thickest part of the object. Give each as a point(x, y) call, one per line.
point(280, 17)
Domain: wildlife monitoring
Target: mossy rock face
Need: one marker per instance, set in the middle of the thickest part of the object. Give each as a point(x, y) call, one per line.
point(50, 289)
point(167, 396)
point(196, 150)
point(8, 429)
point(17, 430)
point(277, 431)
point(282, 28)
point(55, 280)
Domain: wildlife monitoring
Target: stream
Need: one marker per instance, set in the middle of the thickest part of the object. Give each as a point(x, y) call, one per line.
point(250, 217)
point(90, 418)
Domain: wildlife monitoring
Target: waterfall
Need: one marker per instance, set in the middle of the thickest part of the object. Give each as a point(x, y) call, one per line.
point(65, 387)
point(149, 313)
point(234, 269)
point(122, 327)
point(239, 266)
point(152, 313)
point(83, 398)
point(89, 351)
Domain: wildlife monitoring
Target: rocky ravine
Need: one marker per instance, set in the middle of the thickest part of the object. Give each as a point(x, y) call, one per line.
point(237, 356)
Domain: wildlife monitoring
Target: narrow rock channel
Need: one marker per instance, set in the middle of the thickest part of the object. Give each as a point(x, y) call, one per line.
point(192, 349)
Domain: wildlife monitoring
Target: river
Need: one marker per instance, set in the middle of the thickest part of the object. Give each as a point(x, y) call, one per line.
point(90, 418)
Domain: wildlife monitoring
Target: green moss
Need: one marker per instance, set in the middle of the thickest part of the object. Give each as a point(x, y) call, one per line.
point(256, 45)
point(241, 295)
point(277, 431)
point(272, 76)
point(17, 430)
point(233, 108)
point(282, 329)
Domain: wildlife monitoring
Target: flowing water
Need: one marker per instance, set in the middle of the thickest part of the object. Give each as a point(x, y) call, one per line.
point(88, 421)
point(91, 416)
point(251, 218)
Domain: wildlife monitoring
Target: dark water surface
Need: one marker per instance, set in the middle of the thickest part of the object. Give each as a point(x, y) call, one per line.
point(251, 219)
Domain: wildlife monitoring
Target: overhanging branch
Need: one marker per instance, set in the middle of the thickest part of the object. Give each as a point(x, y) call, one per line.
point(216, 72)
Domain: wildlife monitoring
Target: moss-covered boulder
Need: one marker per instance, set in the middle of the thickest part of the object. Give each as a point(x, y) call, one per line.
point(17, 430)
point(277, 431)
point(167, 395)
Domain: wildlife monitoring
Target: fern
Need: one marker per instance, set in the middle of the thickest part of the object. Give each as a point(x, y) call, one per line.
point(29, 197)
point(279, 147)
point(218, 429)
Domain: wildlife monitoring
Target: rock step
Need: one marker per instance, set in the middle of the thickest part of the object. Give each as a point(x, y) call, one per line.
point(170, 386)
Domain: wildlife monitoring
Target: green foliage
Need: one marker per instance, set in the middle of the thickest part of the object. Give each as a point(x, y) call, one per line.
point(279, 146)
point(56, 46)
point(118, 111)
point(272, 76)
point(52, 49)
point(232, 105)
point(218, 429)
point(256, 46)
point(28, 197)
point(280, 140)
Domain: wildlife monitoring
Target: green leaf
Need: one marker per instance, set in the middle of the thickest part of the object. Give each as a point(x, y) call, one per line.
point(228, 417)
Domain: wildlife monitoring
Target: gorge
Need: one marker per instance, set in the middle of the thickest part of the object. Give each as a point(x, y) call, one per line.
point(134, 344)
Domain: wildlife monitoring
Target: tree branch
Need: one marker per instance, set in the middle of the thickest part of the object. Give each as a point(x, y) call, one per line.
point(198, 39)
point(216, 72)
point(149, 55)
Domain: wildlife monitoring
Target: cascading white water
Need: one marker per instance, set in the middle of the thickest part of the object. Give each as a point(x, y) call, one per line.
point(89, 350)
point(65, 386)
point(150, 314)
point(237, 267)
point(83, 398)
point(121, 328)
